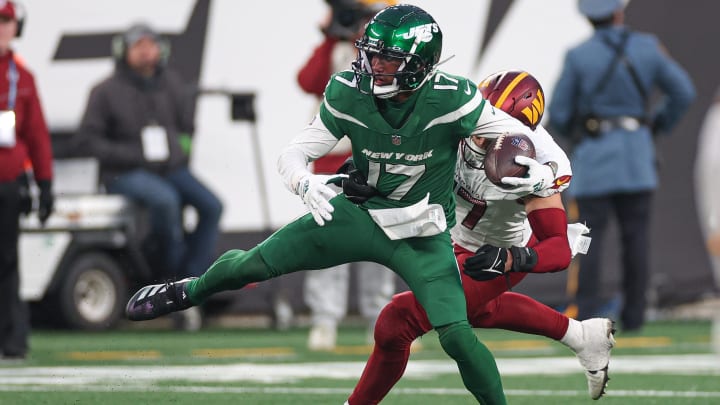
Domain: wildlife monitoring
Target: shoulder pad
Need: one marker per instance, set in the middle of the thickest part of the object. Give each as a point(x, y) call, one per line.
point(448, 91)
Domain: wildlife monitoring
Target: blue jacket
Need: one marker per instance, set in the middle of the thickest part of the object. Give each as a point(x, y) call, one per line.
point(618, 160)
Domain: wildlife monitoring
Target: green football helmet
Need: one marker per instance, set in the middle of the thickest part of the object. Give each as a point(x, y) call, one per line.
point(402, 32)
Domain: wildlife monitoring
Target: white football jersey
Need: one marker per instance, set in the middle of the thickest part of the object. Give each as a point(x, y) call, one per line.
point(487, 214)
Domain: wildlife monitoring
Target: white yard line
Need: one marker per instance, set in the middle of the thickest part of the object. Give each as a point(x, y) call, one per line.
point(118, 377)
point(339, 391)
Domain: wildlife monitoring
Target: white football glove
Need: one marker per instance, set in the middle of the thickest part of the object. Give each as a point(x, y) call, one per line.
point(539, 177)
point(316, 194)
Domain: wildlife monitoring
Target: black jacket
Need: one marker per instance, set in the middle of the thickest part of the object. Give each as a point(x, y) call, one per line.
point(119, 108)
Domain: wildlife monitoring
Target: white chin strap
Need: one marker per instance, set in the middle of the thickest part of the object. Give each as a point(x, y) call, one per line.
point(393, 89)
point(386, 91)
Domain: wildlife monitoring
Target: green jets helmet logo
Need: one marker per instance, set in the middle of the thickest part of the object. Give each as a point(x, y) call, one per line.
point(424, 33)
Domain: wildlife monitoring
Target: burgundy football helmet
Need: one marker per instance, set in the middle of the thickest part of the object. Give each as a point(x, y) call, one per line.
point(517, 93)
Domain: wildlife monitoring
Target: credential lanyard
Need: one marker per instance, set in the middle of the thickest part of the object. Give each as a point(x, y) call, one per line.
point(13, 78)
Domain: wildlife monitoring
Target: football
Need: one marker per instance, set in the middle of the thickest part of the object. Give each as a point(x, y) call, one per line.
point(500, 157)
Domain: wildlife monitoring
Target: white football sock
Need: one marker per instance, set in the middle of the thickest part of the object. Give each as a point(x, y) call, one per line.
point(574, 334)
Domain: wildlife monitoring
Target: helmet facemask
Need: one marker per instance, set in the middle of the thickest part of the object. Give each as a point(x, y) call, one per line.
point(410, 75)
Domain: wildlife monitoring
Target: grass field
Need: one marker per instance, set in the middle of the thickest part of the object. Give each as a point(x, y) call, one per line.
point(668, 363)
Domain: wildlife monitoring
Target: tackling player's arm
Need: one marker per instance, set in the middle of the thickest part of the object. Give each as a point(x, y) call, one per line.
point(546, 213)
point(549, 252)
point(548, 222)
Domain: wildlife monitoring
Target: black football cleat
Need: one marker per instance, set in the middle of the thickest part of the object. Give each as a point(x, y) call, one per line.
point(157, 300)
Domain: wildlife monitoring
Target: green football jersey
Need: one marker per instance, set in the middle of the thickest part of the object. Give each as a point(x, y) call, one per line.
point(405, 164)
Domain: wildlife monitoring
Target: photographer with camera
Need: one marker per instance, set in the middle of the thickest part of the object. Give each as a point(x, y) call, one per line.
point(342, 26)
point(326, 291)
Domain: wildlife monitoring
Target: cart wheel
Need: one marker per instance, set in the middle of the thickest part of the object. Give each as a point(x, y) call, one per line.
point(93, 292)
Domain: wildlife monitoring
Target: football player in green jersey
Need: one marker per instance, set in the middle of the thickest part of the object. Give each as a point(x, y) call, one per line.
point(405, 120)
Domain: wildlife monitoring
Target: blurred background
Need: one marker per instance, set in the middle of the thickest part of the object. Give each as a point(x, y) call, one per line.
point(242, 59)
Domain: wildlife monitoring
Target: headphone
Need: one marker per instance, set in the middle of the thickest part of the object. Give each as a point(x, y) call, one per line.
point(120, 42)
point(20, 16)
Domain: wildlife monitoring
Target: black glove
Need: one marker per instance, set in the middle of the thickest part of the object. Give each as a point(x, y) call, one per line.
point(355, 187)
point(489, 261)
point(26, 201)
point(46, 202)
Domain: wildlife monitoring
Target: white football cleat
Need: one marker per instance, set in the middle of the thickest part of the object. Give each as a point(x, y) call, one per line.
point(593, 352)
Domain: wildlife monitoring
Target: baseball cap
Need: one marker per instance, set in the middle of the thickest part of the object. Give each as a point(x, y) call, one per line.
point(7, 9)
point(598, 9)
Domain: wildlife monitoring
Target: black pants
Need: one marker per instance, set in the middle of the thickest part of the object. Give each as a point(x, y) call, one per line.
point(632, 211)
point(14, 319)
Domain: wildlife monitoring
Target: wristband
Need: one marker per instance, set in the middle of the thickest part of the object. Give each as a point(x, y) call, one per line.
point(524, 259)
